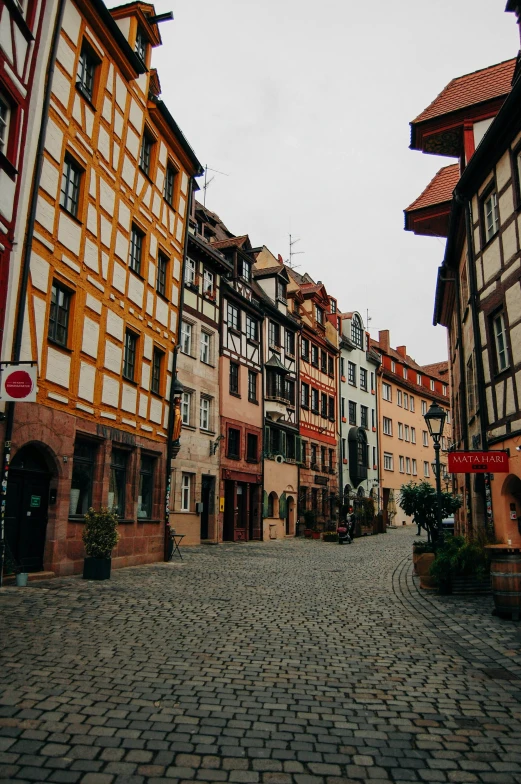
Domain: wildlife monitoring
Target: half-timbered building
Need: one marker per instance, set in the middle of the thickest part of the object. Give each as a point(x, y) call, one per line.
point(102, 298)
point(282, 443)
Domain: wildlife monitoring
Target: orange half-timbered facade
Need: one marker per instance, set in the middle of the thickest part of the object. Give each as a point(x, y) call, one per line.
point(102, 303)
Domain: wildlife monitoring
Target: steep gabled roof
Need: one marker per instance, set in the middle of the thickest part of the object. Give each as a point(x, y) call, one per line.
point(234, 242)
point(439, 190)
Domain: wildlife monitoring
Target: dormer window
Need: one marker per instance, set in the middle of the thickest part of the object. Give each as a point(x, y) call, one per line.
point(332, 305)
point(319, 315)
point(245, 270)
point(281, 289)
point(357, 334)
point(141, 45)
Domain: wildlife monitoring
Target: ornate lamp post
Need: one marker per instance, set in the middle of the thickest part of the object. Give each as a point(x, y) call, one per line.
point(435, 420)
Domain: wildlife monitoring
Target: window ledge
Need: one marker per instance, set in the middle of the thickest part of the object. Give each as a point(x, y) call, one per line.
point(188, 427)
point(71, 216)
point(59, 345)
point(163, 297)
point(234, 331)
point(148, 520)
point(235, 394)
point(129, 381)
point(233, 457)
point(7, 166)
point(136, 273)
point(255, 402)
point(84, 94)
point(207, 432)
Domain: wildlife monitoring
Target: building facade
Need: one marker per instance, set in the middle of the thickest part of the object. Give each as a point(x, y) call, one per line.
point(405, 392)
point(102, 300)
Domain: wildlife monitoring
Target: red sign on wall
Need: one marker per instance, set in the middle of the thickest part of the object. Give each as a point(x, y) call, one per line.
point(478, 462)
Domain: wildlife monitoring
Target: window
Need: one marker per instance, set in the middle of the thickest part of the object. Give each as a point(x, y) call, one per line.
point(407, 431)
point(330, 366)
point(208, 282)
point(251, 328)
point(252, 386)
point(190, 272)
point(244, 270)
point(363, 379)
point(414, 467)
point(82, 477)
point(399, 398)
point(314, 499)
point(323, 362)
point(406, 401)
point(323, 458)
point(275, 387)
point(86, 70)
point(5, 113)
point(234, 378)
point(204, 413)
point(59, 314)
point(186, 338)
point(323, 408)
point(407, 465)
point(145, 153)
point(373, 418)
point(136, 250)
point(342, 367)
point(129, 355)
point(331, 411)
point(319, 315)
point(424, 407)
point(425, 438)
point(157, 364)
point(304, 349)
point(118, 481)
point(314, 355)
point(387, 426)
point(290, 342)
point(426, 468)
point(490, 216)
point(344, 447)
point(186, 408)
point(141, 45)
point(357, 335)
point(304, 395)
point(352, 412)
point(252, 447)
point(401, 464)
point(500, 341)
point(162, 264)
point(400, 431)
point(405, 372)
point(374, 457)
point(332, 305)
point(464, 288)
point(411, 403)
point(303, 499)
point(70, 188)
point(343, 407)
point(386, 391)
point(364, 421)
point(351, 373)
point(419, 379)
point(413, 435)
point(444, 389)
point(233, 318)
point(186, 492)
point(168, 190)
point(234, 443)
point(274, 334)
point(206, 345)
point(146, 487)
point(313, 455)
point(432, 385)
point(388, 461)
point(448, 417)
point(280, 289)
point(372, 382)
point(290, 391)
point(471, 397)
point(314, 400)
point(330, 465)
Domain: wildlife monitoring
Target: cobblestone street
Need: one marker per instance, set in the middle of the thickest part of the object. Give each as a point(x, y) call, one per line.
point(284, 662)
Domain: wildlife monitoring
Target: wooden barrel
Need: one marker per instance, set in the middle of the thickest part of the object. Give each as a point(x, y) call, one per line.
point(505, 574)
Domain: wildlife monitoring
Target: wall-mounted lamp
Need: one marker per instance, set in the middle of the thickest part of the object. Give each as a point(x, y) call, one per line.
point(215, 444)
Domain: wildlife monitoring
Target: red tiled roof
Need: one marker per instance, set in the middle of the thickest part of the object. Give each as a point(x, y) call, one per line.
point(439, 189)
point(440, 369)
point(233, 242)
point(476, 87)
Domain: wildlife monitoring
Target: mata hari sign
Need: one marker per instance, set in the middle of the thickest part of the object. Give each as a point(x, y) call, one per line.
point(478, 462)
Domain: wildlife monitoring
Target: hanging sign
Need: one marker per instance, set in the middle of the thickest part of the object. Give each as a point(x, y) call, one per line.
point(478, 462)
point(18, 382)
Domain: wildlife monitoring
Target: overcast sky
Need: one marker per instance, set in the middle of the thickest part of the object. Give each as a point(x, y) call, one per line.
point(306, 107)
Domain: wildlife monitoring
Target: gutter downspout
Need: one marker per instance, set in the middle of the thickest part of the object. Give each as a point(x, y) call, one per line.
point(26, 258)
point(463, 379)
point(171, 402)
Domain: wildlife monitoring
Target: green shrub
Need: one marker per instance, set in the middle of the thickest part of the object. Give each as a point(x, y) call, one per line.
point(100, 534)
point(420, 547)
point(458, 556)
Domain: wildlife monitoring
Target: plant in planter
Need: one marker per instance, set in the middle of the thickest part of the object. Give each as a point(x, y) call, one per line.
point(310, 523)
point(460, 562)
point(100, 536)
point(419, 501)
point(420, 548)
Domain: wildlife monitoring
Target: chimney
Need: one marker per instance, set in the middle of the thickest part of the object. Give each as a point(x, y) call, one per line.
point(402, 351)
point(384, 340)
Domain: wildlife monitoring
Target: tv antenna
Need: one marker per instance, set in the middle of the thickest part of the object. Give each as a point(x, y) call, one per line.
point(368, 319)
point(292, 252)
point(207, 181)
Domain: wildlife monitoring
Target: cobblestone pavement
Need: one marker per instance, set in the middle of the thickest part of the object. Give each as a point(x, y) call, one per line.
point(294, 662)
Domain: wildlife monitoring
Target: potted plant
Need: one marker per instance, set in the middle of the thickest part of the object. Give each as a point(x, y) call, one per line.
point(419, 548)
point(419, 501)
point(461, 566)
point(100, 536)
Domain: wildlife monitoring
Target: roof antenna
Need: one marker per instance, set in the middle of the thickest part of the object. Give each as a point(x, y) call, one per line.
point(207, 181)
point(292, 253)
point(368, 319)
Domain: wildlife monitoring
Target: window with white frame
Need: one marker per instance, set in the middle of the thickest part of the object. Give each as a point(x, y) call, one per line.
point(444, 389)
point(406, 401)
point(186, 338)
point(405, 372)
point(5, 114)
point(407, 432)
point(319, 315)
point(414, 467)
point(419, 379)
point(500, 342)
point(401, 464)
point(251, 328)
point(426, 468)
point(186, 492)
point(424, 407)
point(233, 317)
point(357, 332)
point(425, 438)
point(190, 272)
point(393, 366)
point(490, 216)
point(407, 465)
point(432, 385)
point(399, 398)
point(386, 392)
point(411, 403)
point(208, 282)
point(388, 426)
point(400, 431)
point(204, 413)
point(186, 408)
point(388, 461)
point(413, 435)
point(206, 345)
point(448, 418)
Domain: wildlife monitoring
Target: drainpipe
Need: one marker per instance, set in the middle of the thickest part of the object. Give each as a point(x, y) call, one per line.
point(340, 455)
point(461, 358)
point(26, 257)
point(171, 402)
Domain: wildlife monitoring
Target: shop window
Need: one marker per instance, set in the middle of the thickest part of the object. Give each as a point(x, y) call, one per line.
point(118, 481)
point(146, 487)
point(83, 465)
point(252, 448)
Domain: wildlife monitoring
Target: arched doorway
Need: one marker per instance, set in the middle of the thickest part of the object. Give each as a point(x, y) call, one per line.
point(290, 515)
point(26, 507)
point(511, 492)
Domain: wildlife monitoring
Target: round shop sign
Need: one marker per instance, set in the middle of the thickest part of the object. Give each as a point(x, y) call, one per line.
point(18, 384)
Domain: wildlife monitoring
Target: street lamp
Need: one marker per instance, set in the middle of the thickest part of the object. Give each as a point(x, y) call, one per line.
point(435, 420)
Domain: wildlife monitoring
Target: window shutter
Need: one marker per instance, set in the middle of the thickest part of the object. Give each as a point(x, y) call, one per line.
point(264, 504)
point(283, 443)
point(282, 506)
